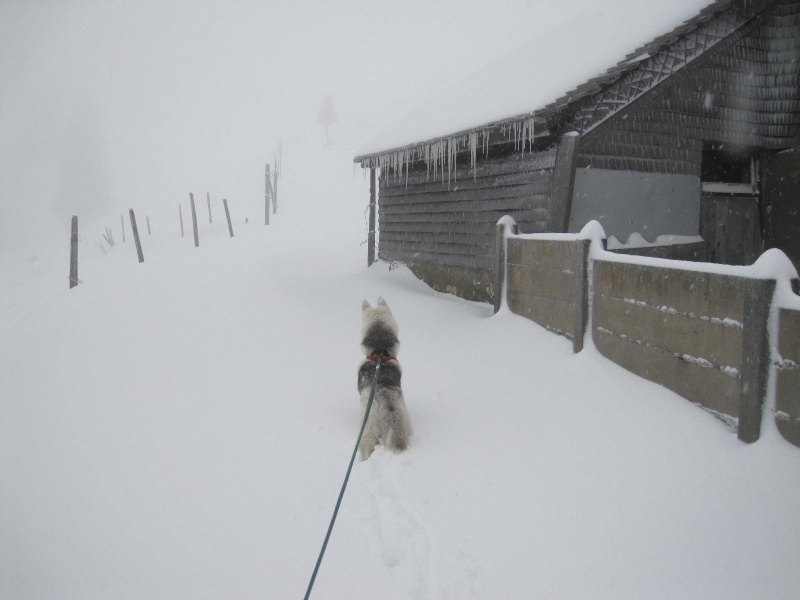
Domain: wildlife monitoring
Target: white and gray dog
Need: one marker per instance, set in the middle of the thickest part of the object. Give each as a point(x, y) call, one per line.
point(388, 418)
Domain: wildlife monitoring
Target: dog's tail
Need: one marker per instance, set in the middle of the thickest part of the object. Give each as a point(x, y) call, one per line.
point(401, 434)
point(400, 431)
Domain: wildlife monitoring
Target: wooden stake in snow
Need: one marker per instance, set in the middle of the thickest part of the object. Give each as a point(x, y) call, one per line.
point(228, 216)
point(73, 254)
point(267, 194)
point(180, 215)
point(208, 199)
point(147, 218)
point(136, 239)
point(194, 221)
point(122, 225)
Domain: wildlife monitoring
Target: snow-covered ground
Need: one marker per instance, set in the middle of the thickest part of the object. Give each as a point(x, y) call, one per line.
point(181, 428)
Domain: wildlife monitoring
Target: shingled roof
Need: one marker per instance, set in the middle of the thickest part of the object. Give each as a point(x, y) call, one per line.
point(592, 102)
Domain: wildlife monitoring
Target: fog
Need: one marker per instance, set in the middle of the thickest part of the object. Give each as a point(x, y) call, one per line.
point(117, 104)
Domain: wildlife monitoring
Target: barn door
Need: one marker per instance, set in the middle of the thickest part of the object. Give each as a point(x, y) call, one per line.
point(730, 225)
point(781, 203)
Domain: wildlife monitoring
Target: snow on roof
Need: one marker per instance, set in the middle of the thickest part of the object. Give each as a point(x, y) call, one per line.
point(560, 57)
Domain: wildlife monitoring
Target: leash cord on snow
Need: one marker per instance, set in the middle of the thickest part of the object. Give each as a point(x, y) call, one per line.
point(346, 478)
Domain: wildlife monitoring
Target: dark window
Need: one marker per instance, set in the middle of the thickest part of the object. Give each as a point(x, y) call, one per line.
point(731, 166)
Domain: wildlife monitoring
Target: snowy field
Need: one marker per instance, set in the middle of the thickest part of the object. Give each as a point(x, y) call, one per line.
point(181, 428)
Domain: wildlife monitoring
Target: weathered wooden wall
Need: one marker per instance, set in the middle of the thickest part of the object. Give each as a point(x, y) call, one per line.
point(745, 91)
point(546, 283)
point(445, 230)
point(702, 334)
point(698, 333)
point(787, 391)
point(732, 227)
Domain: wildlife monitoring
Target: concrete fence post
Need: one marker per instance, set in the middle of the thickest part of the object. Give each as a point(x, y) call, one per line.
point(755, 357)
point(581, 314)
point(505, 226)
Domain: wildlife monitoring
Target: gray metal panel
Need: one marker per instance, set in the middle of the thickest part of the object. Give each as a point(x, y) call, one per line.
point(625, 202)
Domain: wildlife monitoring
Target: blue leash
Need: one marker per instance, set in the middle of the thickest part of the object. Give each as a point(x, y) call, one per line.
point(344, 485)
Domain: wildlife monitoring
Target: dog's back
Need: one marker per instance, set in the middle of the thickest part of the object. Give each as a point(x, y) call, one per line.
point(388, 421)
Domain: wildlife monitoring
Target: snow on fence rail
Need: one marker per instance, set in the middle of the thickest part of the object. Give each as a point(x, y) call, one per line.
point(700, 330)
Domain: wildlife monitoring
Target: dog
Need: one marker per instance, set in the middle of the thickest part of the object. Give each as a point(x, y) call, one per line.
point(388, 421)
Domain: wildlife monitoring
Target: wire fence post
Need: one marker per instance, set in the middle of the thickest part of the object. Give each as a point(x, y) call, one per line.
point(136, 239)
point(73, 254)
point(267, 194)
point(194, 221)
point(228, 216)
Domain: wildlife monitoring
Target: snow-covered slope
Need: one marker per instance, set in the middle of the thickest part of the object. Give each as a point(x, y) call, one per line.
point(180, 429)
point(559, 54)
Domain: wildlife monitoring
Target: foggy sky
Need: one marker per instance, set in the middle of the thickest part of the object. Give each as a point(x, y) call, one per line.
point(106, 105)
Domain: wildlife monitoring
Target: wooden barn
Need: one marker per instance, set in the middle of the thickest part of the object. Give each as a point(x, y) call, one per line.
point(694, 136)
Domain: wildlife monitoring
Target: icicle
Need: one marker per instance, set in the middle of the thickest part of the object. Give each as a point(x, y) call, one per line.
point(450, 156)
point(473, 151)
point(530, 124)
point(442, 154)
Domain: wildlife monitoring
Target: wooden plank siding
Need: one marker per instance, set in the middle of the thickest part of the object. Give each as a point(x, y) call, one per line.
point(729, 77)
point(745, 92)
point(449, 221)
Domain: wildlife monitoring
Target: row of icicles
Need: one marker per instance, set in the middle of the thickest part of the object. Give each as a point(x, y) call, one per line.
point(440, 155)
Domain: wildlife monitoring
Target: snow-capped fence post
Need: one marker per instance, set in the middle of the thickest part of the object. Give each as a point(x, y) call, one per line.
point(180, 216)
point(372, 206)
point(505, 227)
point(208, 199)
point(581, 314)
point(755, 356)
point(136, 239)
point(73, 254)
point(228, 216)
point(194, 221)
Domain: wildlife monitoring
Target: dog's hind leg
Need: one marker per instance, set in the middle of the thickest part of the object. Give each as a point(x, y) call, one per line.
point(368, 442)
point(370, 437)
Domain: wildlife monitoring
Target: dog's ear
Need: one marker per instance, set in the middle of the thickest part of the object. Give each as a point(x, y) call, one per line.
point(381, 301)
point(365, 306)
